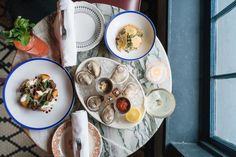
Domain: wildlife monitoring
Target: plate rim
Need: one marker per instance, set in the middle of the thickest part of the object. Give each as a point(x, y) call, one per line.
point(102, 19)
point(5, 86)
point(124, 12)
point(89, 123)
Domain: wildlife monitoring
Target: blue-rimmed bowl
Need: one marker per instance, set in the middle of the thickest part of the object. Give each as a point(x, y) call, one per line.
point(137, 19)
point(38, 120)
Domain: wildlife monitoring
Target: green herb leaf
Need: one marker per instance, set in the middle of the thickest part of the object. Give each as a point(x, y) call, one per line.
point(140, 34)
point(28, 98)
point(20, 31)
point(45, 103)
point(46, 84)
point(27, 84)
point(25, 38)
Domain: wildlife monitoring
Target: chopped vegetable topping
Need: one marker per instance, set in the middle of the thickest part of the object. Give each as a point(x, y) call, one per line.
point(129, 38)
point(38, 93)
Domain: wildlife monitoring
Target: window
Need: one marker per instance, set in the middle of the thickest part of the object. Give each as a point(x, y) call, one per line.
point(223, 73)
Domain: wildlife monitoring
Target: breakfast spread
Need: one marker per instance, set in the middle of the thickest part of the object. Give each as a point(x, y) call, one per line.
point(129, 38)
point(39, 93)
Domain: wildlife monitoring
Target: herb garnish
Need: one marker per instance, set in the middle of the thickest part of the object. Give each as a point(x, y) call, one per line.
point(20, 32)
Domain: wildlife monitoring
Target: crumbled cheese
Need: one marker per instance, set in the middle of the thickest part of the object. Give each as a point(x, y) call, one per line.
point(48, 106)
point(32, 82)
point(40, 93)
point(23, 98)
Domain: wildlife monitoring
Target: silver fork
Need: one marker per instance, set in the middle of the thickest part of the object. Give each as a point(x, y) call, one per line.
point(78, 141)
point(63, 26)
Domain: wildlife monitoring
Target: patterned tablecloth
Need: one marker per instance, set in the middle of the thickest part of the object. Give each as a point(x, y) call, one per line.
point(116, 142)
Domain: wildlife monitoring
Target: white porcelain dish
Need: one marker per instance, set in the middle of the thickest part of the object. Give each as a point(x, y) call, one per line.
point(38, 120)
point(85, 91)
point(89, 26)
point(137, 19)
point(62, 141)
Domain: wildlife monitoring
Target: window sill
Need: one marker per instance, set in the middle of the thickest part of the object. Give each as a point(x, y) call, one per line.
point(188, 149)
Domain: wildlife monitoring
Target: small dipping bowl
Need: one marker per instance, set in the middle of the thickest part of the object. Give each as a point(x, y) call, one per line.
point(104, 86)
point(122, 105)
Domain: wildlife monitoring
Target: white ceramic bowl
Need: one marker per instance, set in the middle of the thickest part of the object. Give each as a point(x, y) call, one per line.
point(38, 120)
point(134, 18)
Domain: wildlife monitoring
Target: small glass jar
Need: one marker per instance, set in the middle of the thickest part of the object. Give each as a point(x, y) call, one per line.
point(36, 46)
point(160, 103)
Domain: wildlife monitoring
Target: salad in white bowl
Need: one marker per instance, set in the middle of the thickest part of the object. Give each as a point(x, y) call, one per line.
point(130, 35)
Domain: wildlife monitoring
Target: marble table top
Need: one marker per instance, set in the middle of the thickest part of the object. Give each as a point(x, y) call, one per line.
point(116, 142)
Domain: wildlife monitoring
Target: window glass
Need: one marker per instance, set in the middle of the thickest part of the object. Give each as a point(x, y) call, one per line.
point(221, 4)
point(225, 109)
point(226, 43)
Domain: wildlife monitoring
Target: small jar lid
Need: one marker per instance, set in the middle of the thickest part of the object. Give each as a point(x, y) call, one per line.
point(160, 103)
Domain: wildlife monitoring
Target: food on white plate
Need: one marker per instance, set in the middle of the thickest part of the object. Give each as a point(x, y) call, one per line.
point(120, 74)
point(94, 68)
point(84, 77)
point(129, 38)
point(94, 103)
point(130, 90)
point(108, 114)
point(39, 93)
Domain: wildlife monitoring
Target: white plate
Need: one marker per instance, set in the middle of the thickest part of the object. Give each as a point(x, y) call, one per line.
point(89, 26)
point(62, 141)
point(137, 19)
point(38, 120)
point(108, 66)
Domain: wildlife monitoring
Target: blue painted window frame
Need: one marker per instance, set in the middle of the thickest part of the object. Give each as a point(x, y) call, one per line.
point(214, 17)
